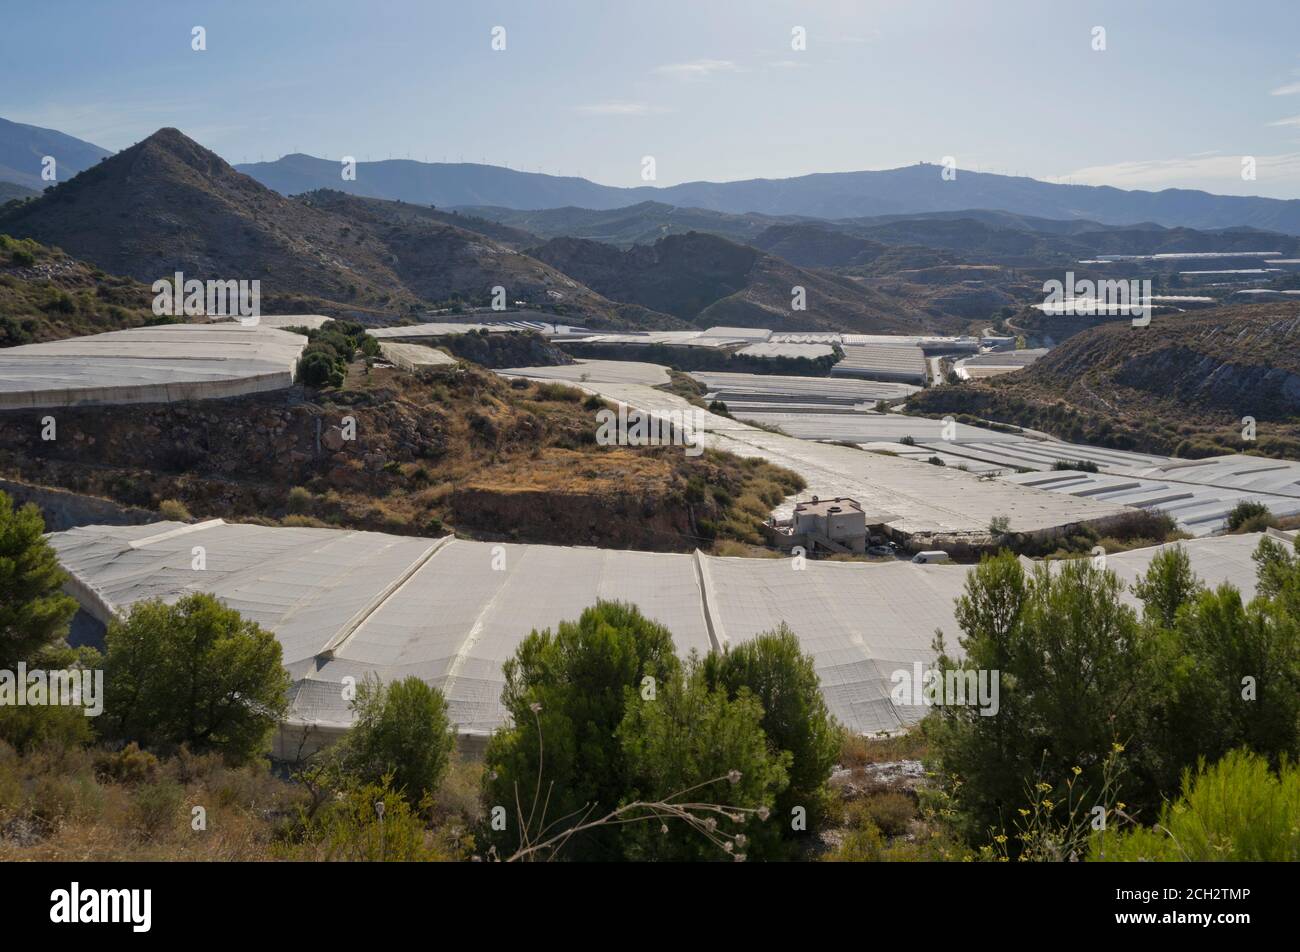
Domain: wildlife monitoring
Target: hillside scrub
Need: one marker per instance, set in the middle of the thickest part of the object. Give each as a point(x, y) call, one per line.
point(46, 295)
point(1235, 810)
point(517, 349)
point(463, 449)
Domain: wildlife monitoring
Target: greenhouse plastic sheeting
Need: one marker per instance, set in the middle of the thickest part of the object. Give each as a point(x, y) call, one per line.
point(149, 365)
point(451, 612)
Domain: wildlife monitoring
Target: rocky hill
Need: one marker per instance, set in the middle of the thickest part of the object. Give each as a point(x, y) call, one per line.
point(441, 262)
point(1180, 385)
point(707, 280)
point(167, 204)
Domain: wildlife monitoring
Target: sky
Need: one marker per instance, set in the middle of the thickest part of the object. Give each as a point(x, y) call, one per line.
point(1182, 91)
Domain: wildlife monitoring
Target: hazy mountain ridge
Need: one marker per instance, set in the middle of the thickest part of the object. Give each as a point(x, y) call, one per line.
point(629, 225)
point(832, 195)
point(23, 149)
point(12, 190)
point(878, 245)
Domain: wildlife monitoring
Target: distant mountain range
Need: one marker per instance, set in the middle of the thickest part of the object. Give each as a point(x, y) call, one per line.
point(23, 150)
point(910, 190)
point(991, 237)
point(167, 204)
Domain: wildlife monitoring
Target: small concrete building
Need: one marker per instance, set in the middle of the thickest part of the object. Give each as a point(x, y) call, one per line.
point(840, 520)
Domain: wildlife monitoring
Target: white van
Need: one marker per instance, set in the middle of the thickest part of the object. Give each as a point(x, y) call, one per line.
point(933, 556)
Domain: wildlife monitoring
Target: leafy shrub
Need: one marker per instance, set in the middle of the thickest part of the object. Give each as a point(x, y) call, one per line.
point(795, 719)
point(353, 830)
point(401, 733)
point(891, 811)
point(1078, 465)
point(570, 689)
point(194, 673)
point(559, 392)
point(862, 844)
point(300, 500)
point(155, 807)
point(12, 332)
point(34, 611)
point(691, 737)
point(1250, 516)
point(44, 727)
point(1234, 811)
point(319, 369)
point(129, 766)
point(174, 511)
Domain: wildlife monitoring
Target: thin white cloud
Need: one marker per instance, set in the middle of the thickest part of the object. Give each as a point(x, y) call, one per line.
point(1293, 121)
point(618, 108)
point(697, 69)
point(1290, 89)
point(1214, 173)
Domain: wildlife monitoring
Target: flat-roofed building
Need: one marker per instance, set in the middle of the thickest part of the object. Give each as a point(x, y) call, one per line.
point(841, 520)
